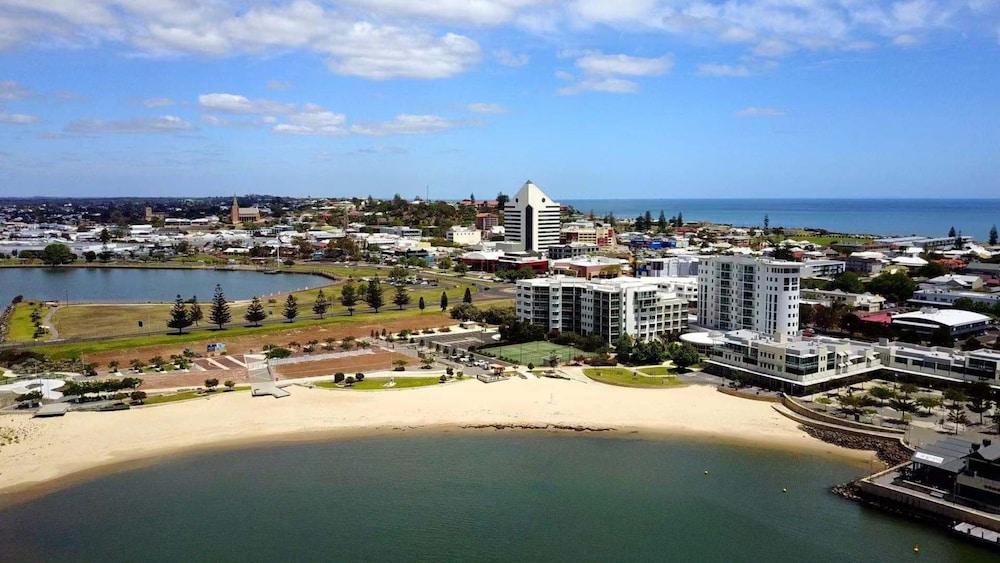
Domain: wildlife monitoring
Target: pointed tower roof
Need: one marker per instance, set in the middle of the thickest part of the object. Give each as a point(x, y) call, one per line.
point(530, 192)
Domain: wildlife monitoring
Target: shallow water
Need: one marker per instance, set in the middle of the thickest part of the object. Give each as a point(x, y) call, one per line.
point(502, 497)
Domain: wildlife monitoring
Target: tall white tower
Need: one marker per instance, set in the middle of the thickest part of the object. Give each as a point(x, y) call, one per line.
point(531, 219)
point(742, 292)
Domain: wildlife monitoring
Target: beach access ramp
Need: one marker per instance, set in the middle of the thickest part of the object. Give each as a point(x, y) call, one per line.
point(262, 381)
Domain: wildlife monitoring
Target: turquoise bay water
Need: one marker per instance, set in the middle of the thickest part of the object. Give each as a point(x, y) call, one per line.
point(926, 217)
point(508, 497)
point(137, 285)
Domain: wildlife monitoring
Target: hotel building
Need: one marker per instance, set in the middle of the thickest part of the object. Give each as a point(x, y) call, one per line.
point(531, 219)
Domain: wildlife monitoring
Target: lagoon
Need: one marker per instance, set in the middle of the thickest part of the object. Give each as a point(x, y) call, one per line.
point(473, 496)
point(142, 285)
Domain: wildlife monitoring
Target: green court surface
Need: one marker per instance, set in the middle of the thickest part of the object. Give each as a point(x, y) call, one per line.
point(537, 353)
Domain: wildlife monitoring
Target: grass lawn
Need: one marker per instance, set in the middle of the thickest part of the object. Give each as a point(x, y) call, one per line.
point(627, 378)
point(536, 353)
point(21, 327)
point(99, 320)
point(378, 383)
point(185, 395)
point(658, 370)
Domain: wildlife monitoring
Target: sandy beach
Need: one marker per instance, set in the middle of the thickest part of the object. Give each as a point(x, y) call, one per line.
point(48, 453)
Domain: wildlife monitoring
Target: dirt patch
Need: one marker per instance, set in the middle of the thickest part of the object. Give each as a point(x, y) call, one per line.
point(349, 365)
point(168, 380)
point(252, 343)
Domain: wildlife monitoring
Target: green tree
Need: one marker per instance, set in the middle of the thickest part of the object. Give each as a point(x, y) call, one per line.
point(104, 236)
point(684, 356)
point(255, 312)
point(993, 235)
point(896, 287)
point(661, 222)
point(194, 311)
point(349, 297)
point(291, 309)
point(219, 314)
point(211, 383)
point(374, 294)
point(848, 282)
point(180, 318)
point(467, 298)
point(807, 315)
point(902, 404)
point(401, 297)
point(881, 394)
point(623, 348)
point(420, 304)
point(321, 304)
point(980, 399)
point(929, 402)
point(398, 275)
point(444, 301)
point(57, 254)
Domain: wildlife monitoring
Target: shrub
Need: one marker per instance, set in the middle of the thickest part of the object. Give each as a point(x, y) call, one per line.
point(276, 352)
point(450, 371)
point(443, 378)
point(338, 377)
point(349, 381)
point(359, 376)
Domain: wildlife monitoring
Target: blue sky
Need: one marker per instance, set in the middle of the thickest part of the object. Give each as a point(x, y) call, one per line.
point(589, 98)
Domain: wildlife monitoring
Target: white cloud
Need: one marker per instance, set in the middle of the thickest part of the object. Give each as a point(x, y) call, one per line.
point(479, 12)
point(905, 40)
point(11, 90)
point(278, 85)
point(603, 73)
point(507, 58)
point(605, 65)
point(486, 108)
point(313, 120)
point(713, 69)
point(17, 118)
point(754, 111)
point(352, 45)
point(157, 102)
point(163, 124)
point(609, 85)
point(237, 104)
point(406, 124)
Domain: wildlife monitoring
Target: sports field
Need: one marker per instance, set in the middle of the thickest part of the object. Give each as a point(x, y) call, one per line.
point(537, 353)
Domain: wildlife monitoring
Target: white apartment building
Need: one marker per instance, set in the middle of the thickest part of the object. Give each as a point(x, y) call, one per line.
point(605, 307)
point(684, 286)
point(743, 292)
point(531, 219)
point(464, 235)
point(671, 266)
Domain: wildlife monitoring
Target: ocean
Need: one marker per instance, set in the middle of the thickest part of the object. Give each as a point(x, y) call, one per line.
point(473, 497)
point(925, 217)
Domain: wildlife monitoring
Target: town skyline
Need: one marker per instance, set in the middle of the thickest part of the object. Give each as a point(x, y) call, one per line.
point(591, 99)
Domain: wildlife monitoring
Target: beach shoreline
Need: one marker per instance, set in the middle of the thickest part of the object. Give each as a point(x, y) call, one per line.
point(54, 454)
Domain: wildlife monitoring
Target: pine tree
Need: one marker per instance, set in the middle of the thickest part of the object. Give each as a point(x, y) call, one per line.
point(993, 236)
point(401, 297)
point(767, 222)
point(219, 314)
point(680, 219)
point(374, 294)
point(179, 317)
point(349, 296)
point(951, 232)
point(661, 223)
point(421, 305)
point(194, 311)
point(444, 301)
point(321, 304)
point(291, 308)
point(467, 298)
point(255, 312)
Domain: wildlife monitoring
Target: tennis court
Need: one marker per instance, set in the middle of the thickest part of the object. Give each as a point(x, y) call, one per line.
point(537, 353)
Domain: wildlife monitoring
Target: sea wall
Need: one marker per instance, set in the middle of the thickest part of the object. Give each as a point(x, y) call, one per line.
point(801, 409)
point(746, 395)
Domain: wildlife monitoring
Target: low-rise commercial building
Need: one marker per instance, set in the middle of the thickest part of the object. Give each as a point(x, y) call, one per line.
point(607, 307)
point(463, 235)
point(928, 321)
point(588, 267)
point(571, 250)
point(938, 297)
point(670, 266)
point(866, 302)
point(823, 268)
